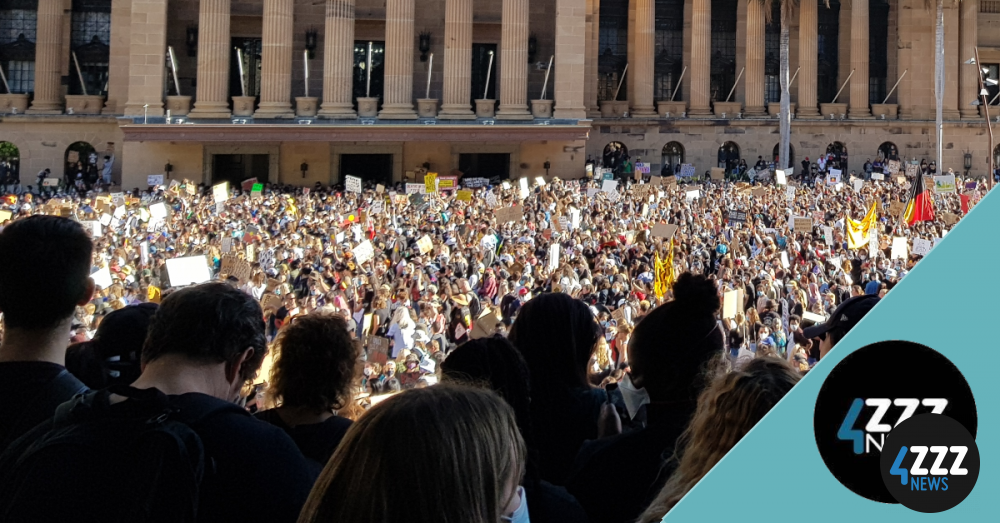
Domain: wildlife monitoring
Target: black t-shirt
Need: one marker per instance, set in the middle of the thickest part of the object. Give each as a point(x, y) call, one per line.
point(31, 391)
point(317, 441)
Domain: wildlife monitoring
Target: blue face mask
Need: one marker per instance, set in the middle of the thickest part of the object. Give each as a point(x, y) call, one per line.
point(521, 514)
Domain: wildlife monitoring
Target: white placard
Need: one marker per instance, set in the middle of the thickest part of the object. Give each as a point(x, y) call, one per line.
point(790, 193)
point(828, 233)
point(364, 252)
point(352, 183)
point(106, 219)
point(158, 211)
point(220, 192)
point(899, 247)
point(554, 256)
point(878, 176)
point(154, 179)
point(784, 259)
point(858, 184)
point(95, 227)
point(540, 181)
point(144, 252)
point(416, 188)
point(102, 278)
point(921, 246)
point(609, 185)
point(834, 177)
point(692, 195)
point(779, 177)
point(523, 187)
point(190, 270)
point(119, 212)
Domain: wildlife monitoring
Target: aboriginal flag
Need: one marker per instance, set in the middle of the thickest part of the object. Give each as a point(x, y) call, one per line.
point(921, 205)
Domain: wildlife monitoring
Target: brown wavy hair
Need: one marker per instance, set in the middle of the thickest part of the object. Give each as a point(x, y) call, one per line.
point(727, 410)
point(316, 363)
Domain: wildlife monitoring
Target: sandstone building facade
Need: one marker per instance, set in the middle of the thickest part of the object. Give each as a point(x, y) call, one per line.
point(218, 89)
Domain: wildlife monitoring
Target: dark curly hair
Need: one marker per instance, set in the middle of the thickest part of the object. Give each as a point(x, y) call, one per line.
point(316, 363)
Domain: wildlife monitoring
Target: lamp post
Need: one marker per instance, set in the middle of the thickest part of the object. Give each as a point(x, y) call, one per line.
point(983, 94)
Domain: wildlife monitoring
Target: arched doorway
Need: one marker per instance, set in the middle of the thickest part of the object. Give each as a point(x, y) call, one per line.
point(791, 154)
point(614, 155)
point(839, 152)
point(672, 156)
point(729, 156)
point(79, 156)
point(10, 161)
point(888, 151)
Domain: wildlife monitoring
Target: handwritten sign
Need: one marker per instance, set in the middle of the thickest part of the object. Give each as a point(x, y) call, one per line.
point(642, 167)
point(510, 214)
point(154, 179)
point(894, 166)
point(802, 224)
point(911, 170)
point(718, 173)
point(352, 184)
point(687, 170)
point(430, 182)
point(364, 252)
point(921, 246)
point(424, 244)
point(464, 195)
point(663, 230)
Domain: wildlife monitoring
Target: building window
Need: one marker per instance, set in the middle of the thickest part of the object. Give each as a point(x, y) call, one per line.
point(772, 56)
point(993, 71)
point(669, 48)
point(672, 156)
point(17, 44)
point(878, 50)
point(613, 49)
point(723, 48)
point(828, 53)
point(90, 44)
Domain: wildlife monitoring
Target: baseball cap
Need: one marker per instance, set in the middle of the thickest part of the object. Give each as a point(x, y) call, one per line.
point(846, 316)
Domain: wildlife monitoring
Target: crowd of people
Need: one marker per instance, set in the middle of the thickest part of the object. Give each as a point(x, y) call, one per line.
point(560, 350)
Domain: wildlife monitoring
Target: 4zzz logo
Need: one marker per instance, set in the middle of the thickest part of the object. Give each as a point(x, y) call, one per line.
point(939, 479)
point(876, 429)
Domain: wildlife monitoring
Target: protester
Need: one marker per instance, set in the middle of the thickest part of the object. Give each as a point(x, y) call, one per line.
point(742, 399)
point(843, 319)
point(669, 354)
point(448, 454)
point(313, 377)
point(174, 444)
point(113, 356)
point(44, 276)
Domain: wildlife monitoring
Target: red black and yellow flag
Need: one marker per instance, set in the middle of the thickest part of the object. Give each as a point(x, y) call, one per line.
point(921, 205)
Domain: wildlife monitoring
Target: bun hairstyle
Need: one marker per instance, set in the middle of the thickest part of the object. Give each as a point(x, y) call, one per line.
point(672, 345)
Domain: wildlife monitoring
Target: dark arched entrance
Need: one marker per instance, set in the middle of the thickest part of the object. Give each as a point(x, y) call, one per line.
point(791, 155)
point(672, 156)
point(888, 151)
point(615, 154)
point(729, 156)
point(10, 162)
point(80, 156)
point(839, 152)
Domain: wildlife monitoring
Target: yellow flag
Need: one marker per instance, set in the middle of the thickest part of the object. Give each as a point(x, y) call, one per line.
point(664, 273)
point(858, 231)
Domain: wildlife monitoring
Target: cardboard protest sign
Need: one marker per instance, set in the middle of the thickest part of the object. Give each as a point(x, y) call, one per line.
point(352, 184)
point(425, 244)
point(901, 180)
point(247, 185)
point(737, 216)
point(718, 173)
point(250, 253)
point(227, 245)
point(430, 182)
point(921, 246)
point(220, 192)
point(447, 183)
point(378, 350)
point(415, 188)
point(233, 266)
point(510, 214)
point(729, 305)
point(949, 219)
point(669, 181)
point(945, 184)
point(364, 252)
point(516, 268)
point(491, 200)
point(484, 326)
point(759, 192)
point(378, 207)
point(464, 195)
point(380, 189)
point(802, 224)
point(779, 177)
point(271, 285)
point(878, 176)
point(256, 190)
point(270, 302)
point(834, 177)
point(899, 247)
point(154, 179)
point(663, 230)
point(191, 188)
point(894, 166)
point(896, 208)
point(818, 216)
point(687, 170)
point(4, 216)
point(190, 270)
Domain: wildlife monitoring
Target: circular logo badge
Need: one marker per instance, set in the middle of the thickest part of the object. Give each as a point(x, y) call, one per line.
point(873, 390)
point(930, 463)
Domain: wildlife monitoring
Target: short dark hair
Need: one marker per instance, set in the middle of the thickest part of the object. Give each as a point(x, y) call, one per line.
point(45, 264)
point(316, 363)
point(211, 323)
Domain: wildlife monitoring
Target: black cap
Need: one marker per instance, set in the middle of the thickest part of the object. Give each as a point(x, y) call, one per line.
point(845, 317)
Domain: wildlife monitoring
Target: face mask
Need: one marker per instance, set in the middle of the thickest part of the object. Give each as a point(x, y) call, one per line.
point(368, 372)
point(634, 398)
point(521, 514)
point(411, 365)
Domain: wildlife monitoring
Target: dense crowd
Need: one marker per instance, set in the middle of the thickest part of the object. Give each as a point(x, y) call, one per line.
point(549, 351)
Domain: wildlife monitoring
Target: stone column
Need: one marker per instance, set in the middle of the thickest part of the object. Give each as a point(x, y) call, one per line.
point(753, 84)
point(514, 61)
point(590, 64)
point(808, 57)
point(571, 18)
point(398, 103)
point(859, 108)
point(644, 55)
point(48, 66)
point(969, 79)
point(119, 59)
point(212, 98)
point(147, 62)
point(458, 61)
point(276, 60)
point(701, 57)
point(338, 61)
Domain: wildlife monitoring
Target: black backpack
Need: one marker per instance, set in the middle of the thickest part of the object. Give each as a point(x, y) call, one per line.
point(142, 461)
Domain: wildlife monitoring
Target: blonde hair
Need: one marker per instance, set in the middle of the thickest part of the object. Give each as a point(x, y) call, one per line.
point(726, 411)
point(460, 440)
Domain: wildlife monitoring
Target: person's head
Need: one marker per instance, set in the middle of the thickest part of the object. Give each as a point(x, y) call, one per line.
point(463, 441)
point(671, 346)
point(316, 363)
point(556, 334)
point(843, 319)
point(45, 266)
point(738, 401)
point(112, 357)
point(390, 368)
point(205, 325)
